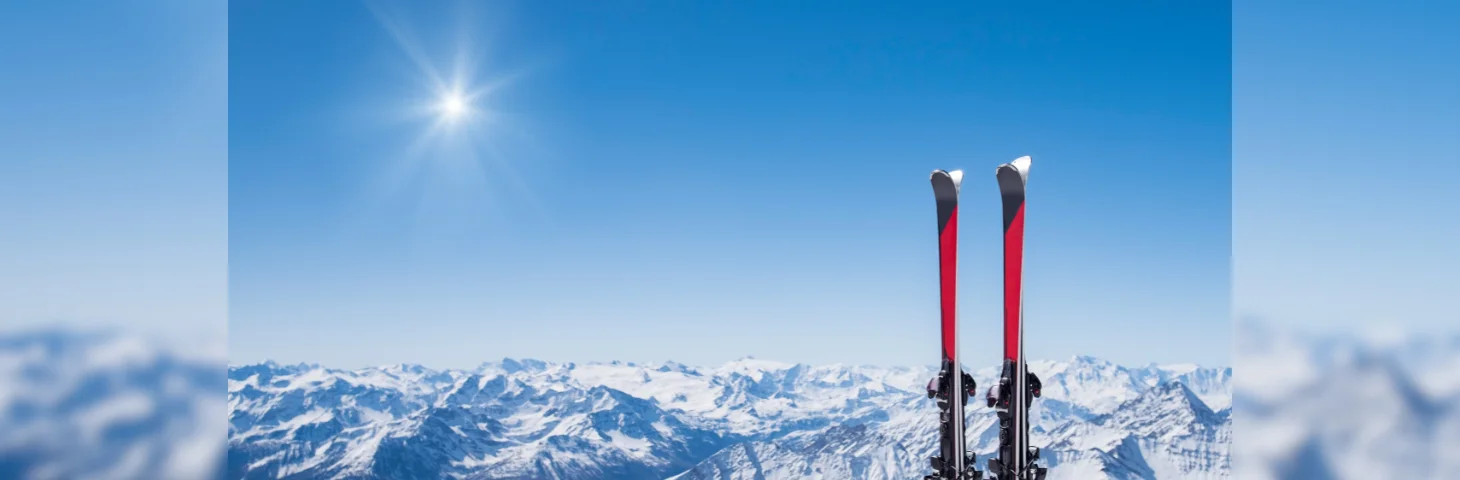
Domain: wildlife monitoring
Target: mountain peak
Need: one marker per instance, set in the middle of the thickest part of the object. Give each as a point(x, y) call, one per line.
point(749, 364)
point(1088, 359)
point(523, 365)
point(1168, 395)
point(403, 368)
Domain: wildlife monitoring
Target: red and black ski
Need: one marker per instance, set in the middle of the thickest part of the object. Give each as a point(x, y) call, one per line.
point(953, 386)
point(1017, 388)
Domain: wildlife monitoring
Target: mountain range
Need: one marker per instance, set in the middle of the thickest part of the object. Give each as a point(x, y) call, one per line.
point(1320, 406)
point(748, 418)
point(106, 404)
point(113, 405)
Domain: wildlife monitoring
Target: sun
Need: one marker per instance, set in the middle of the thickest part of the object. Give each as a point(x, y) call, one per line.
point(453, 106)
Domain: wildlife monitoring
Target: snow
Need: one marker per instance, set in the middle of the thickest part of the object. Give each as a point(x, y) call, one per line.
point(1179, 369)
point(266, 460)
point(1355, 408)
point(877, 419)
point(674, 388)
point(311, 379)
point(636, 446)
point(195, 447)
point(373, 416)
point(121, 351)
point(130, 406)
point(105, 405)
point(1351, 406)
point(316, 415)
point(363, 449)
point(752, 367)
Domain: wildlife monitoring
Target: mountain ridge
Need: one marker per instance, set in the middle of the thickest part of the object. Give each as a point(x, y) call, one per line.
point(1302, 401)
point(746, 418)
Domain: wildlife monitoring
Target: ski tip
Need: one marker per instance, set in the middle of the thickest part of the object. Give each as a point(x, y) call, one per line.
point(956, 176)
point(1020, 165)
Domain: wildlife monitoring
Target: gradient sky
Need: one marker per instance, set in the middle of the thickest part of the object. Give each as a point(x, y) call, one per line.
point(113, 166)
point(704, 182)
point(1346, 151)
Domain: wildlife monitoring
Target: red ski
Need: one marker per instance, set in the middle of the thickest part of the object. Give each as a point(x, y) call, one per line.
point(1017, 387)
point(953, 386)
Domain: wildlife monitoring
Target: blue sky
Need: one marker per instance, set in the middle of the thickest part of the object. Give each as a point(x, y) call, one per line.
point(113, 166)
point(112, 187)
point(701, 183)
point(1345, 159)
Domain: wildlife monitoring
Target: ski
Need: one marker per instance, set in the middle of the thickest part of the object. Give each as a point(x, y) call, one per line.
point(953, 386)
point(1017, 388)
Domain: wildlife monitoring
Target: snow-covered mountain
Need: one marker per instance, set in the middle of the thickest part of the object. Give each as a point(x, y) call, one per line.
point(1329, 406)
point(748, 418)
point(109, 405)
point(106, 405)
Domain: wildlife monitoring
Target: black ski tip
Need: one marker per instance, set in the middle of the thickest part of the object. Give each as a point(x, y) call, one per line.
point(945, 191)
point(1020, 165)
point(946, 183)
point(1010, 181)
point(1013, 176)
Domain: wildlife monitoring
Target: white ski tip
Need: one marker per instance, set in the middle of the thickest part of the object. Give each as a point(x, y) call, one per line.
point(956, 176)
point(1020, 165)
